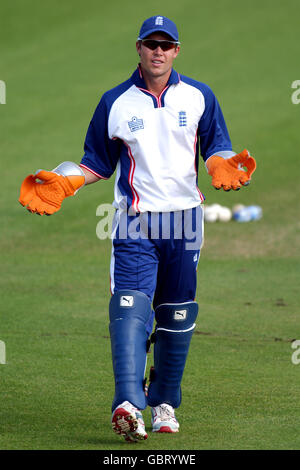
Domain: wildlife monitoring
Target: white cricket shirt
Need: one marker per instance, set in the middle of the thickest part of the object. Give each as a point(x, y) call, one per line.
point(152, 143)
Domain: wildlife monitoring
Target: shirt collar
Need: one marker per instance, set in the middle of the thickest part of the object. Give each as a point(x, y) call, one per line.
point(139, 81)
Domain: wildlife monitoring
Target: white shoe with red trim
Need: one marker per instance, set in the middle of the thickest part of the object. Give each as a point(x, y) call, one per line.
point(128, 421)
point(163, 419)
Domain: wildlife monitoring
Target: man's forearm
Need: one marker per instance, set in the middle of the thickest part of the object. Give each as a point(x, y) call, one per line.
point(89, 176)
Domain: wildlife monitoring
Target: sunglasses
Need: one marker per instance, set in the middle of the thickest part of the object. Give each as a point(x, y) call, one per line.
point(163, 44)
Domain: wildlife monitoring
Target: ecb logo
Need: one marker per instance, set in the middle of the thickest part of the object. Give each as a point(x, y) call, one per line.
point(2, 92)
point(182, 119)
point(159, 21)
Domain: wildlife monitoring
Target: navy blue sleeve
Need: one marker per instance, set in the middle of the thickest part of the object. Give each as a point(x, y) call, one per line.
point(101, 153)
point(212, 128)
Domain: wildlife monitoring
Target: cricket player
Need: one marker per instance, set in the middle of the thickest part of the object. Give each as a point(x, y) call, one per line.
point(148, 131)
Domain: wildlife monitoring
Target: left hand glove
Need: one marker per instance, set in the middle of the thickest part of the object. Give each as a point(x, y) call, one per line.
point(229, 173)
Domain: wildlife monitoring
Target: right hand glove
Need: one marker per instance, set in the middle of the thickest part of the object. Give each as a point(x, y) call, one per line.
point(46, 196)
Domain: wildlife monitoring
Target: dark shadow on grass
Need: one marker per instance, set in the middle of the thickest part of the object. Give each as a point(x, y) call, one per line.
point(110, 444)
point(98, 441)
point(114, 443)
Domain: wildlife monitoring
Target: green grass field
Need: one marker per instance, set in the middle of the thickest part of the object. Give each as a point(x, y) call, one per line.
point(240, 388)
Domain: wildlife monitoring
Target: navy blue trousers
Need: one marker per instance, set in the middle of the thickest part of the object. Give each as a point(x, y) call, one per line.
point(157, 254)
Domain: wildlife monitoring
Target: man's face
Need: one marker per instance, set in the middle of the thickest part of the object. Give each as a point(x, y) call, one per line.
point(156, 63)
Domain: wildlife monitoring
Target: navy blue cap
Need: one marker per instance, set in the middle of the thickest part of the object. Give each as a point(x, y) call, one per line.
point(157, 24)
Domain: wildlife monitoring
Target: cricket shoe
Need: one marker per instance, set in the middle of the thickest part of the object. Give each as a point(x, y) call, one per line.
point(128, 421)
point(163, 419)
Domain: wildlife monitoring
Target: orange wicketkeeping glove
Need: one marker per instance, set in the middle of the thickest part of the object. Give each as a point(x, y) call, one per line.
point(229, 173)
point(45, 196)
